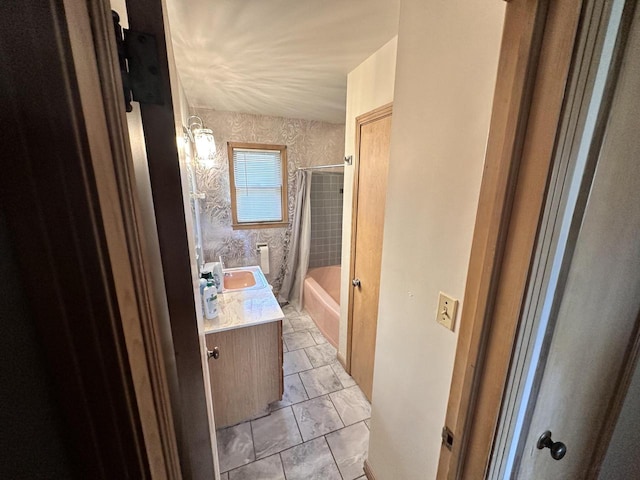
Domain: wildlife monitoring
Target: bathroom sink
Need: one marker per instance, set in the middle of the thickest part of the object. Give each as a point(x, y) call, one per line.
point(242, 279)
point(238, 280)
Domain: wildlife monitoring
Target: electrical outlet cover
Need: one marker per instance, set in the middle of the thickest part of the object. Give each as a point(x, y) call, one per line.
point(447, 309)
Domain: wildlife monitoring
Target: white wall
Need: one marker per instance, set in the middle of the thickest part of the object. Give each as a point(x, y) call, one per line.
point(445, 76)
point(370, 85)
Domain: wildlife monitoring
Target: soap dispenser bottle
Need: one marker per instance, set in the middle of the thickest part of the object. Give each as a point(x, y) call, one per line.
point(210, 300)
point(203, 285)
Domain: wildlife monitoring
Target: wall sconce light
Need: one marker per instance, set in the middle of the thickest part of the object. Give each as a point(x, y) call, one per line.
point(202, 138)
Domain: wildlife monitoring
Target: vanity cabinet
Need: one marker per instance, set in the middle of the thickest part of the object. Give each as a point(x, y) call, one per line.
point(247, 376)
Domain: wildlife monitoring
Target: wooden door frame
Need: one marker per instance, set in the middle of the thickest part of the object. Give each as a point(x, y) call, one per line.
point(161, 128)
point(528, 106)
point(371, 116)
point(536, 53)
point(72, 217)
point(582, 77)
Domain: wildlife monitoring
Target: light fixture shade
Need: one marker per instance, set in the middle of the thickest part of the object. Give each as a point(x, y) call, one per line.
point(205, 144)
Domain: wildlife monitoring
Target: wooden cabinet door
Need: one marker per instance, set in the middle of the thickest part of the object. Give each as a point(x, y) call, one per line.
point(247, 375)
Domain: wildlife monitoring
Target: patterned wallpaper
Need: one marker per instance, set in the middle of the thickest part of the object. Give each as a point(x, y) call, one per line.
point(308, 143)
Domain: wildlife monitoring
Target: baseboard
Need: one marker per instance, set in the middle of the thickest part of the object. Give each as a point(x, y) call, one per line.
point(342, 361)
point(368, 471)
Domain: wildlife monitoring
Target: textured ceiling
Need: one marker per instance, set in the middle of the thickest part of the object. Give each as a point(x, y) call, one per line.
point(286, 58)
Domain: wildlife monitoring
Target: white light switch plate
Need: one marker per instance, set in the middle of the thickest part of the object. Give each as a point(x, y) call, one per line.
point(447, 309)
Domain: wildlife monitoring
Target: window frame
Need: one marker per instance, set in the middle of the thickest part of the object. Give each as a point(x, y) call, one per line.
point(231, 146)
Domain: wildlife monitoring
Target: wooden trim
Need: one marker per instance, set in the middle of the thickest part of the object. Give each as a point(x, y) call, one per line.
point(160, 437)
point(368, 471)
point(256, 146)
point(161, 128)
point(252, 226)
point(535, 170)
point(594, 11)
point(375, 114)
point(516, 57)
point(372, 116)
point(534, 62)
point(341, 360)
point(231, 146)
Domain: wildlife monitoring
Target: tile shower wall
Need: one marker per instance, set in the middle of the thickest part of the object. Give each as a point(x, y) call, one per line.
point(326, 218)
point(308, 143)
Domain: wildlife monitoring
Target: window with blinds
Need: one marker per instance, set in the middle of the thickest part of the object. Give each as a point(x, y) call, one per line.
point(258, 180)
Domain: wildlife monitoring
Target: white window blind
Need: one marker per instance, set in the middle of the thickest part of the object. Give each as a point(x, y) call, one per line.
point(258, 185)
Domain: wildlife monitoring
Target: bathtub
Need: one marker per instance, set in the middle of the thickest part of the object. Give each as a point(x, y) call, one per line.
point(322, 300)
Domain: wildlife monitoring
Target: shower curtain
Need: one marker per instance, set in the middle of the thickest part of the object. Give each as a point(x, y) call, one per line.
point(297, 261)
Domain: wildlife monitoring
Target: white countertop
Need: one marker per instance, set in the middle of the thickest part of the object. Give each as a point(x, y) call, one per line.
point(245, 308)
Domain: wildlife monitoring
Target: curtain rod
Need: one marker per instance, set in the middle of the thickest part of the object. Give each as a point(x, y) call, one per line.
point(318, 167)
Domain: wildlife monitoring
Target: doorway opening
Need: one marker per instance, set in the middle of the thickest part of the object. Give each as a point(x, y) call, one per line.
point(309, 143)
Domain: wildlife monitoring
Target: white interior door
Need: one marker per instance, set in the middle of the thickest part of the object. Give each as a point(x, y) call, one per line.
point(599, 306)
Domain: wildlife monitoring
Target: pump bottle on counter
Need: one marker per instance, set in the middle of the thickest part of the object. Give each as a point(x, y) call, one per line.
point(210, 296)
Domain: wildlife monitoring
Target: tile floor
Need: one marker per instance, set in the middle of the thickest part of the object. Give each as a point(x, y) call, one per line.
point(320, 428)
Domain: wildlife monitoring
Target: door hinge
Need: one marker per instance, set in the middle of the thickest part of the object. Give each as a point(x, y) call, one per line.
point(139, 68)
point(447, 437)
